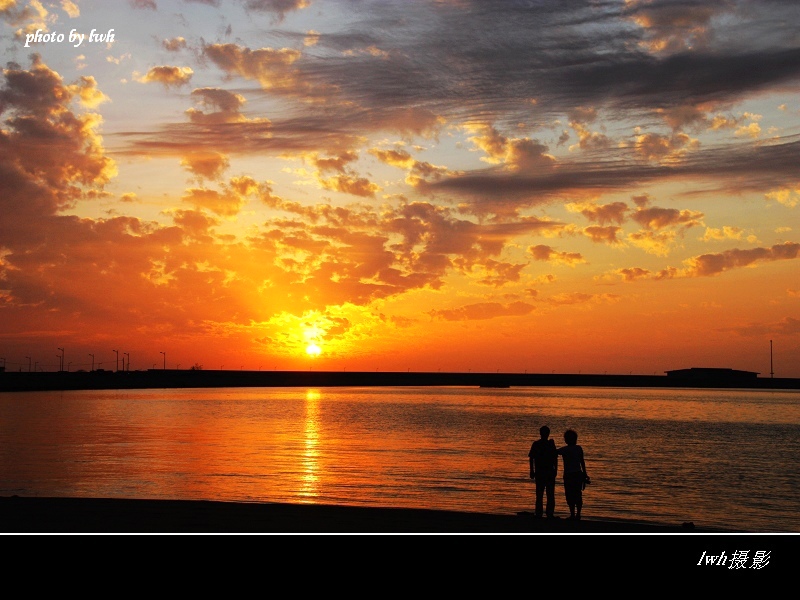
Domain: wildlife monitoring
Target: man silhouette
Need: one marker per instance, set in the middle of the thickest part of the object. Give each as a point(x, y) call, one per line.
point(543, 459)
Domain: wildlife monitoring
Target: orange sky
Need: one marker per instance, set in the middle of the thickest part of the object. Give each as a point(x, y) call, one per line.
point(430, 185)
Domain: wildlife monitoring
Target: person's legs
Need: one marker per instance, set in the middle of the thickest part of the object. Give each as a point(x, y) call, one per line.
point(572, 491)
point(550, 489)
point(540, 485)
point(568, 496)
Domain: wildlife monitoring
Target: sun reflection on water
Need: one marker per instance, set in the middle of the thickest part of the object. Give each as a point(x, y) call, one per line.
point(310, 458)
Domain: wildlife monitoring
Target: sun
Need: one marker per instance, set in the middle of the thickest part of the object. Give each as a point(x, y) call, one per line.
point(313, 350)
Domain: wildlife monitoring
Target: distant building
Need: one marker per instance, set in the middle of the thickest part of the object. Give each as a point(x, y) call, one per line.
point(711, 373)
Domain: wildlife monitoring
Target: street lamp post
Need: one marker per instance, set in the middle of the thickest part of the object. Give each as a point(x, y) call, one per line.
point(129, 361)
point(61, 364)
point(29, 363)
point(92, 355)
point(165, 360)
point(117, 353)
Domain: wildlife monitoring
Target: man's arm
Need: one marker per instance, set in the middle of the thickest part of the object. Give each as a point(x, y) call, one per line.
point(530, 460)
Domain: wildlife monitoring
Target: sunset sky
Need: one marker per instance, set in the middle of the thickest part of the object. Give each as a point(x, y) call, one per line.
point(545, 185)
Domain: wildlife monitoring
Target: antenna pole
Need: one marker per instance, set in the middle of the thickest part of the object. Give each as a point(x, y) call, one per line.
point(771, 372)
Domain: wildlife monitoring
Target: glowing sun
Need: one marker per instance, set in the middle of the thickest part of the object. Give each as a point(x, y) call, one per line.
point(313, 350)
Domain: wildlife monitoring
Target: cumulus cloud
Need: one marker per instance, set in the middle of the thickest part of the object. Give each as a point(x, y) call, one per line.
point(656, 218)
point(788, 196)
point(272, 68)
point(217, 106)
point(726, 232)
point(603, 214)
point(547, 253)
point(517, 154)
point(50, 154)
point(607, 235)
point(660, 148)
point(174, 44)
point(168, 76)
point(209, 165)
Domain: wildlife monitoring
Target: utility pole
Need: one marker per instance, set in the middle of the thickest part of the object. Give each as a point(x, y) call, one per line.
point(92, 355)
point(29, 363)
point(165, 360)
point(117, 353)
point(129, 361)
point(61, 362)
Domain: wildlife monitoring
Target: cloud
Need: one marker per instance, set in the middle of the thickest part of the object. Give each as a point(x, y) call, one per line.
point(279, 7)
point(606, 235)
point(29, 18)
point(418, 172)
point(234, 194)
point(673, 27)
point(735, 168)
point(222, 106)
point(726, 232)
point(788, 196)
point(568, 299)
point(789, 326)
point(90, 96)
point(707, 265)
point(270, 67)
point(70, 8)
point(634, 273)
point(209, 165)
point(498, 274)
point(482, 311)
point(653, 242)
point(167, 76)
point(656, 218)
point(517, 154)
point(225, 203)
point(174, 44)
point(604, 214)
point(51, 154)
point(660, 148)
point(549, 254)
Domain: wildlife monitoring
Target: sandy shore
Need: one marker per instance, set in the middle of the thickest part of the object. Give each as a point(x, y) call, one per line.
point(33, 515)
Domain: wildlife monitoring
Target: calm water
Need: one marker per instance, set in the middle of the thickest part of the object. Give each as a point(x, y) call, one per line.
point(719, 458)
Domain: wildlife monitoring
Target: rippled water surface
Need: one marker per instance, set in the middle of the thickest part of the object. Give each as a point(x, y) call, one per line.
point(719, 458)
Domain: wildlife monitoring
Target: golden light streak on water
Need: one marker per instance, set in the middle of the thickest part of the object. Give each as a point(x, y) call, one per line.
point(310, 476)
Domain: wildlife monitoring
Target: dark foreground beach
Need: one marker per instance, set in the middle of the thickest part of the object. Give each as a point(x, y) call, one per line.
point(34, 515)
point(470, 550)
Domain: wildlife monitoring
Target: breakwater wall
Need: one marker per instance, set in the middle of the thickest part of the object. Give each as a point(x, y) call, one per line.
point(174, 378)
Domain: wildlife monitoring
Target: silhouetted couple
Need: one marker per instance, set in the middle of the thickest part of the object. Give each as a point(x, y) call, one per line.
point(543, 459)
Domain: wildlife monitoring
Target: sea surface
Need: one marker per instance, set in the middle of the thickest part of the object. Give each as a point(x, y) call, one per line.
point(717, 458)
